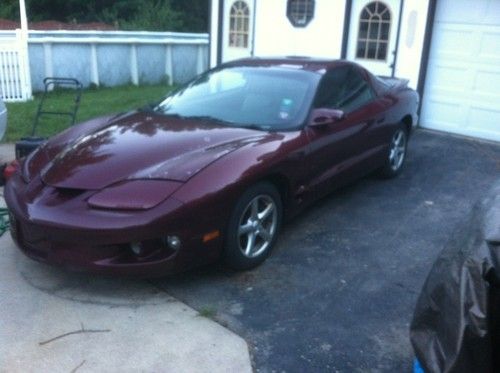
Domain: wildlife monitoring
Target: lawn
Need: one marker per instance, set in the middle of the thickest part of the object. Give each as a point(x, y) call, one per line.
point(94, 102)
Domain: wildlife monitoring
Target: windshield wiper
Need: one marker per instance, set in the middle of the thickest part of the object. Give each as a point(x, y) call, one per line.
point(254, 127)
point(209, 118)
point(148, 108)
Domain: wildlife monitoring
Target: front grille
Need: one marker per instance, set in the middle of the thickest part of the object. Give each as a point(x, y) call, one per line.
point(69, 193)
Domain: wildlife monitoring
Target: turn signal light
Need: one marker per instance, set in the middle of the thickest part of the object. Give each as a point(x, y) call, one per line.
point(211, 236)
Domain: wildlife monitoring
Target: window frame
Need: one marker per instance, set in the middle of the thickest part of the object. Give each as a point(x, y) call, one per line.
point(374, 18)
point(293, 9)
point(353, 69)
point(239, 25)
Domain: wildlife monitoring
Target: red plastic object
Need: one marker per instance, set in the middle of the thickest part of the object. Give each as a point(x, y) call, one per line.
point(10, 169)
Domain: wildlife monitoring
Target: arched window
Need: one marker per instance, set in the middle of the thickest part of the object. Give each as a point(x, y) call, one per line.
point(239, 22)
point(300, 12)
point(374, 31)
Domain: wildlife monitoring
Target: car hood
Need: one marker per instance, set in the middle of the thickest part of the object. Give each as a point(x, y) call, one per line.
point(143, 146)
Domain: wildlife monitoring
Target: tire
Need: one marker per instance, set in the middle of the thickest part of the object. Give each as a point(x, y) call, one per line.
point(253, 227)
point(396, 154)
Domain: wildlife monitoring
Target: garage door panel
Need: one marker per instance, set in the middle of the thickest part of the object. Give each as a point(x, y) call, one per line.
point(450, 78)
point(487, 83)
point(444, 113)
point(469, 12)
point(483, 119)
point(462, 88)
point(455, 40)
point(489, 51)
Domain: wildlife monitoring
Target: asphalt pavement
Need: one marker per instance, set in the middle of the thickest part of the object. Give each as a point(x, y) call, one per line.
point(338, 292)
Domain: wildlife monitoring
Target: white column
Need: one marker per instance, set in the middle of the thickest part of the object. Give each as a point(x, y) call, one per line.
point(134, 70)
point(24, 18)
point(214, 29)
point(23, 52)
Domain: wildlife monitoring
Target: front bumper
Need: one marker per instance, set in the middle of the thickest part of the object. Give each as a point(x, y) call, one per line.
point(64, 231)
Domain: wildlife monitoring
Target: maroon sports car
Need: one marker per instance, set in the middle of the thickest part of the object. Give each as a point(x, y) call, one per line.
point(211, 170)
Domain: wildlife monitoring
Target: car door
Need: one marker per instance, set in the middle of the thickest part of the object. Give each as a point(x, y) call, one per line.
point(341, 151)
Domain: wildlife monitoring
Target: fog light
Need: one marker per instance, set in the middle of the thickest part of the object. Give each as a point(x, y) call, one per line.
point(174, 242)
point(136, 248)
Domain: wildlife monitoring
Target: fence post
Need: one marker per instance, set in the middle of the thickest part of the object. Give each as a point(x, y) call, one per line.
point(94, 66)
point(47, 55)
point(134, 70)
point(200, 66)
point(169, 68)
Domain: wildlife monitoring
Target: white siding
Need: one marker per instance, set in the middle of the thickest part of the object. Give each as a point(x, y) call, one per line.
point(322, 37)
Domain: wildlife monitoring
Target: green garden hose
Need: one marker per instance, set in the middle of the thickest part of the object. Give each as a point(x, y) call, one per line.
point(4, 221)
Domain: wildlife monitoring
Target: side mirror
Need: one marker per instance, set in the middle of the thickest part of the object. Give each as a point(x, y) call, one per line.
point(323, 117)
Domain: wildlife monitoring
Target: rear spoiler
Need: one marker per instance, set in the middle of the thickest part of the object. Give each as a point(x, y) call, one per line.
point(393, 82)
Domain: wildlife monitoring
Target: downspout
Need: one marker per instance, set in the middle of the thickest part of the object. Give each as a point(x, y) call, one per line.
point(347, 25)
point(252, 51)
point(393, 65)
point(210, 21)
point(424, 60)
point(220, 30)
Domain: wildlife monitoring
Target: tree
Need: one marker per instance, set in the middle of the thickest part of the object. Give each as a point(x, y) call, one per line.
point(152, 15)
point(10, 9)
point(194, 14)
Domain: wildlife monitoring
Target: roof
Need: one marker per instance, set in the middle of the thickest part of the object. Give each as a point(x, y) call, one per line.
point(314, 64)
point(7, 24)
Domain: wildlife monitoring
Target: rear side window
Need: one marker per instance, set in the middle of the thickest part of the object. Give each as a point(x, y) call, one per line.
point(343, 88)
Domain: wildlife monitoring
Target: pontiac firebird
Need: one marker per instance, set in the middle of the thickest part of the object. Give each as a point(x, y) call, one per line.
point(210, 171)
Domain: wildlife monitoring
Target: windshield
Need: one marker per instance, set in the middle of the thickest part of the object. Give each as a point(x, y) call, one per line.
point(267, 98)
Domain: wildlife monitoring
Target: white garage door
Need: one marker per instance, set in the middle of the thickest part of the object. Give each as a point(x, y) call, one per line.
point(462, 89)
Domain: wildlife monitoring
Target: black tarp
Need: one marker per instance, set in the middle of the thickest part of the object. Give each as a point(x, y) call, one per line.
point(456, 324)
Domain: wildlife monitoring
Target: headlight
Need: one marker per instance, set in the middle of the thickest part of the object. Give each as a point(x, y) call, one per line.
point(134, 194)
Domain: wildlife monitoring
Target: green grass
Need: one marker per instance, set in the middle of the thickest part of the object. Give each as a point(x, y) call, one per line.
point(94, 102)
point(208, 312)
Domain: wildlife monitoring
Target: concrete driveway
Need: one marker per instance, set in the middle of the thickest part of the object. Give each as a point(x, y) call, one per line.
point(52, 321)
point(337, 294)
point(56, 321)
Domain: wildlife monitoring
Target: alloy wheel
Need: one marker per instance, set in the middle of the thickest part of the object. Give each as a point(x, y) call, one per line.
point(257, 226)
point(397, 150)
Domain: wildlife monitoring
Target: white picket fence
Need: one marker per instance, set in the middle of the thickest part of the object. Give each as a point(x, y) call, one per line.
point(15, 82)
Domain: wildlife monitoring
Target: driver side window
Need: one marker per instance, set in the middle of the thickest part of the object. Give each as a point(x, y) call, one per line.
point(343, 88)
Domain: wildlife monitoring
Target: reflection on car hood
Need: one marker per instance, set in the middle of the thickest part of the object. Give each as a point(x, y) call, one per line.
point(143, 146)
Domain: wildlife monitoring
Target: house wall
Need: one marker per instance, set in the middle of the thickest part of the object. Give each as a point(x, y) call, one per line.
point(275, 35)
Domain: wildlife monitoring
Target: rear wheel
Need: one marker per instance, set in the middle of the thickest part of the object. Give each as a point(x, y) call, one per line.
point(254, 226)
point(397, 153)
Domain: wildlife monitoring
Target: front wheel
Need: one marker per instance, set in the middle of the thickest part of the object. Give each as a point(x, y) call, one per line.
point(254, 226)
point(396, 154)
